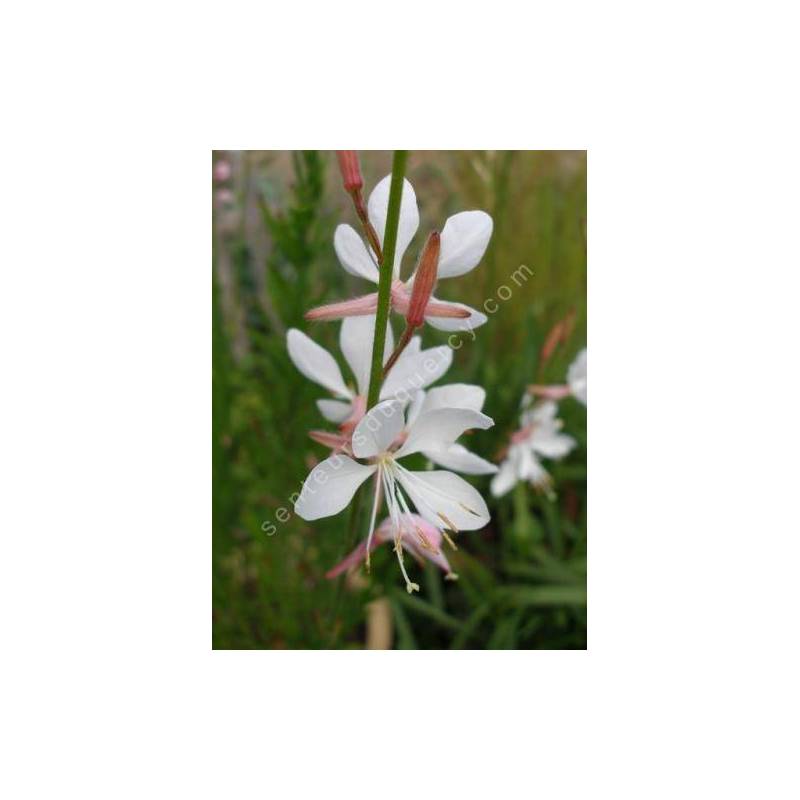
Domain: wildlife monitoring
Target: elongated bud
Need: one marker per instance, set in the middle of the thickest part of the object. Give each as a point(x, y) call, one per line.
point(351, 172)
point(554, 338)
point(424, 281)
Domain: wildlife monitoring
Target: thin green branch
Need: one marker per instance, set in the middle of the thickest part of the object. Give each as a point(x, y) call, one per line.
point(385, 276)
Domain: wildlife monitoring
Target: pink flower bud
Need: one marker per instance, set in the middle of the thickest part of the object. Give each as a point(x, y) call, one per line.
point(351, 172)
point(424, 281)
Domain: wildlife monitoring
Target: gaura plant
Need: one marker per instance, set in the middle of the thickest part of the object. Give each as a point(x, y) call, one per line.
point(386, 417)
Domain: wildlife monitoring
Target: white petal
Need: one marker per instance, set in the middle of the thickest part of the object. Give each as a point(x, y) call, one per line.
point(474, 320)
point(377, 207)
point(543, 414)
point(455, 395)
point(464, 240)
point(416, 371)
point(355, 340)
point(505, 479)
point(414, 408)
point(414, 346)
point(460, 459)
point(444, 499)
point(353, 253)
point(576, 376)
point(551, 444)
point(330, 487)
point(334, 410)
point(529, 467)
point(438, 429)
point(316, 363)
point(533, 471)
point(378, 428)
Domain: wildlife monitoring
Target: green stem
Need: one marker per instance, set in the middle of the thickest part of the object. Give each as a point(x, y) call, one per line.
point(385, 276)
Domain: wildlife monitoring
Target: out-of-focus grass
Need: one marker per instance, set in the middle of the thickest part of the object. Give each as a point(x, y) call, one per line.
point(523, 578)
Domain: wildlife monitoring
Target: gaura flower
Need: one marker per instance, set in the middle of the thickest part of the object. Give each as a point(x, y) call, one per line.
point(418, 537)
point(574, 387)
point(539, 436)
point(452, 395)
point(415, 369)
point(442, 498)
point(463, 242)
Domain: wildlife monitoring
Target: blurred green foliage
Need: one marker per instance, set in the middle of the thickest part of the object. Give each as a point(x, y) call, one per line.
point(523, 578)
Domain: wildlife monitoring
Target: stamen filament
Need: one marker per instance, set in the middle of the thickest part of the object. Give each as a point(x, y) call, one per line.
point(392, 502)
point(375, 504)
point(449, 540)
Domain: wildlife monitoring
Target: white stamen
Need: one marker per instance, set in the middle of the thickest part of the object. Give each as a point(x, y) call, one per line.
point(375, 504)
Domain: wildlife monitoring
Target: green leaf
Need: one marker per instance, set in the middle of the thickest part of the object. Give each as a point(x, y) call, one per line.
point(405, 633)
point(543, 595)
point(424, 608)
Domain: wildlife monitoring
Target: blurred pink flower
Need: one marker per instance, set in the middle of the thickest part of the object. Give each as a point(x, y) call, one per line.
point(417, 536)
point(222, 171)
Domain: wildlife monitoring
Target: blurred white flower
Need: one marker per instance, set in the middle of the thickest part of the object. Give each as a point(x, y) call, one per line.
point(442, 498)
point(539, 435)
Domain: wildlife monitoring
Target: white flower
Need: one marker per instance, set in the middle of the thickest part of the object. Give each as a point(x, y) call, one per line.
point(464, 239)
point(539, 436)
point(442, 498)
point(414, 369)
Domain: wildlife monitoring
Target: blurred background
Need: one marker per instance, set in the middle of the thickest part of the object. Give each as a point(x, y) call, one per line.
point(522, 578)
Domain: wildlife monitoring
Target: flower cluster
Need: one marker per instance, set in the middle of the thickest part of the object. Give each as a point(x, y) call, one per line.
point(539, 435)
point(409, 418)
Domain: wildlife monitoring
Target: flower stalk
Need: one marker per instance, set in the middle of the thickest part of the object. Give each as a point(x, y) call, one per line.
point(385, 275)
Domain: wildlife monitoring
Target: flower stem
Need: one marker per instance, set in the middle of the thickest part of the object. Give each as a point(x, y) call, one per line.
point(398, 351)
point(385, 276)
